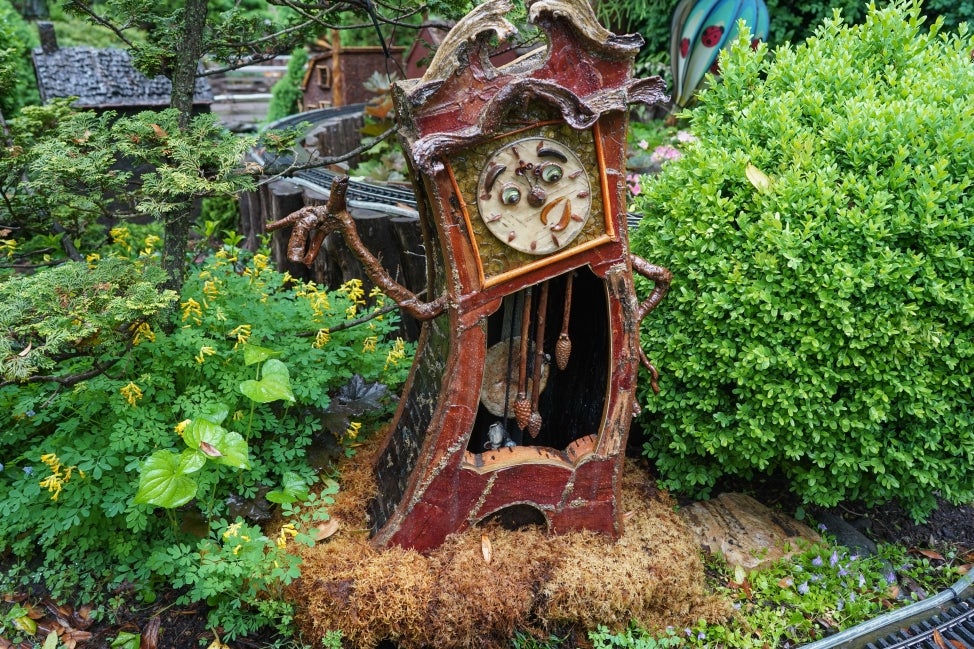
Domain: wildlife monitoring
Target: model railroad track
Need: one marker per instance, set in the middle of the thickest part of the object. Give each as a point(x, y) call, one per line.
point(949, 629)
point(379, 197)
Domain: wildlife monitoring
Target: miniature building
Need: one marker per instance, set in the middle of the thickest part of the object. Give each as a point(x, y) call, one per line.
point(424, 45)
point(326, 84)
point(102, 78)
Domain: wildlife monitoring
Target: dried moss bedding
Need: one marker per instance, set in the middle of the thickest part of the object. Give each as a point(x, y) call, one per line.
point(532, 582)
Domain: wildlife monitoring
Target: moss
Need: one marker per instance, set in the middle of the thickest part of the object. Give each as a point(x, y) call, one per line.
point(535, 582)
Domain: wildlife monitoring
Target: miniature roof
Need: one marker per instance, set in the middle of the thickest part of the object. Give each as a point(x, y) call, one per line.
point(104, 78)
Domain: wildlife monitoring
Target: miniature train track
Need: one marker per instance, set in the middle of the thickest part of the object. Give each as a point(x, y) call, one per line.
point(380, 197)
point(952, 628)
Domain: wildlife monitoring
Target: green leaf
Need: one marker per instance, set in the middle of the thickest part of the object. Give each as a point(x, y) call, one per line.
point(215, 412)
point(126, 640)
point(51, 641)
point(257, 354)
point(165, 480)
point(293, 489)
point(274, 385)
point(217, 443)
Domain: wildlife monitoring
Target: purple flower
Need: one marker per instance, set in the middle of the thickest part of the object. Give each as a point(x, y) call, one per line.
point(821, 527)
point(852, 597)
point(890, 577)
point(803, 588)
point(843, 572)
point(862, 581)
point(701, 635)
point(840, 605)
point(817, 561)
point(834, 559)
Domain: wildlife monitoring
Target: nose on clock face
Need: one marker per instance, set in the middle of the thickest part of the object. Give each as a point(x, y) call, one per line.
point(537, 197)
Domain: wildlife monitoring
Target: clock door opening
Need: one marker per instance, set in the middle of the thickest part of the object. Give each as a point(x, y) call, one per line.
point(547, 366)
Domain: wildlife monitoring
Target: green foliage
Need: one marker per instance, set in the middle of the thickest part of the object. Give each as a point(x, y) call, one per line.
point(63, 312)
point(87, 468)
point(18, 88)
point(78, 168)
point(822, 587)
point(819, 233)
point(286, 93)
point(634, 637)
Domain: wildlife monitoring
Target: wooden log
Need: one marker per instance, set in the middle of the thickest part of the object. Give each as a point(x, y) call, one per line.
point(283, 198)
point(412, 261)
point(251, 218)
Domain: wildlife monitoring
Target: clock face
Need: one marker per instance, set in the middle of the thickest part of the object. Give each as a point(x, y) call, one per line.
point(534, 195)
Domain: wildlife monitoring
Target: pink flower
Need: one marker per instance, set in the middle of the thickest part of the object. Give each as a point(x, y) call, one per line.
point(632, 180)
point(665, 153)
point(685, 137)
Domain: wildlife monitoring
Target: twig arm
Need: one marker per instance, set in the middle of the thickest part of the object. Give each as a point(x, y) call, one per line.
point(312, 224)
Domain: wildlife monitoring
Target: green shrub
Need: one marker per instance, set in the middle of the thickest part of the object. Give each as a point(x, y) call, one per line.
point(18, 88)
point(237, 394)
point(820, 233)
point(286, 93)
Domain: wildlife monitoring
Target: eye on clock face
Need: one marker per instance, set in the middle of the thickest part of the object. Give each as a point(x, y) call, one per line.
point(534, 195)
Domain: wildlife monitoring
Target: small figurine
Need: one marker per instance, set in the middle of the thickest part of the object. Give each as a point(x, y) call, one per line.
point(497, 436)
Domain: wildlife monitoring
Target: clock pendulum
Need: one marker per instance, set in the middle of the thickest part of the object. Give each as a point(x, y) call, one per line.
point(519, 172)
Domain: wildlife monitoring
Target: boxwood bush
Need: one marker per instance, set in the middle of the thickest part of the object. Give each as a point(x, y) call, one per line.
point(821, 235)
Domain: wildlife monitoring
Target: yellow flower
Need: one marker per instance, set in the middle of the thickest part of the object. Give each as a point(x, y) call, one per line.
point(180, 428)
point(351, 312)
point(211, 289)
point(92, 259)
point(232, 530)
point(192, 308)
point(150, 243)
point(10, 245)
point(368, 345)
point(375, 292)
point(242, 333)
point(260, 261)
point(56, 481)
point(143, 332)
point(287, 530)
point(120, 235)
point(353, 289)
point(286, 278)
point(353, 429)
point(132, 393)
point(321, 338)
point(204, 352)
point(396, 354)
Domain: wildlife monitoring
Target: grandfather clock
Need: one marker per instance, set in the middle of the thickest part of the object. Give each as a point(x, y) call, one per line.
point(521, 394)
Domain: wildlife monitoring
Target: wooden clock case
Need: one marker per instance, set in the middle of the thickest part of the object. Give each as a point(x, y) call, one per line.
point(456, 454)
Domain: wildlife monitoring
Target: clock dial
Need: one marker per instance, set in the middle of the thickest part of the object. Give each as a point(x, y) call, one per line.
point(534, 195)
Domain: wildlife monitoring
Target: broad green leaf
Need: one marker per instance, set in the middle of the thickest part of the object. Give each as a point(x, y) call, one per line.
point(217, 443)
point(165, 480)
point(200, 430)
point(257, 354)
point(274, 385)
point(126, 640)
point(215, 412)
point(51, 641)
point(233, 449)
point(293, 489)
